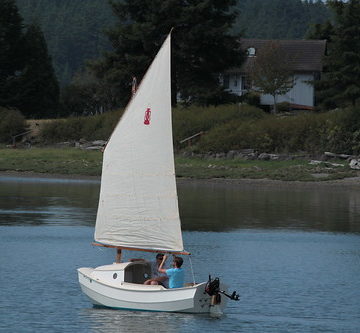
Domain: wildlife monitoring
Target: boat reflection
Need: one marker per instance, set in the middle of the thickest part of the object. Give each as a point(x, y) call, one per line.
point(108, 320)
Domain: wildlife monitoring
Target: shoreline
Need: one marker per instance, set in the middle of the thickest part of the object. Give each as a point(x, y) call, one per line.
point(352, 182)
point(31, 174)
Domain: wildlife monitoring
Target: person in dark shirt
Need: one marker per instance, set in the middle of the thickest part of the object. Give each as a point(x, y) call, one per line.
point(156, 276)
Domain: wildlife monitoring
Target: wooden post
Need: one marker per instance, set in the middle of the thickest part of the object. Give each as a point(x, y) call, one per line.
point(188, 140)
point(118, 256)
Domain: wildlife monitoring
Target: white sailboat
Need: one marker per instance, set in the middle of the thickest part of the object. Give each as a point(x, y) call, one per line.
point(138, 206)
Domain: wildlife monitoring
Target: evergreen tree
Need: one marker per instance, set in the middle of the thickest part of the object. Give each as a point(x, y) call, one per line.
point(279, 19)
point(73, 30)
point(202, 45)
point(39, 95)
point(339, 85)
point(27, 79)
point(321, 31)
point(11, 56)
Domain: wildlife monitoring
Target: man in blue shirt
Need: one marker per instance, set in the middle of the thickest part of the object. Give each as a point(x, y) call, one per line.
point(176, 275)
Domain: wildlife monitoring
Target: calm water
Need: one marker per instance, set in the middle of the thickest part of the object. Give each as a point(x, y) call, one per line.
point(292, 253)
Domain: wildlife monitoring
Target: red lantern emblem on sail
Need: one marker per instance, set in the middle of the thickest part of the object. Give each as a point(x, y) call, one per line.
point(147, 116)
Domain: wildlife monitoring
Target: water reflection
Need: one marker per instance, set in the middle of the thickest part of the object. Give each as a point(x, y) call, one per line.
point(37, 201)
point(203, 206)
point(288, 280)
point(206, 206)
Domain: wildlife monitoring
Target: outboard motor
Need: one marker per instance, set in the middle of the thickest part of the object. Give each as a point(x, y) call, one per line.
point(212, 288)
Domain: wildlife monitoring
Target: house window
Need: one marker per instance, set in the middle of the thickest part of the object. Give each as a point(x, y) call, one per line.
point(226, 81)
point(245, 85)
point(251, 52)
point(236, 80)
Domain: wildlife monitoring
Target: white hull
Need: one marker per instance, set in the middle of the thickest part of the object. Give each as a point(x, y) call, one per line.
point(134, 296)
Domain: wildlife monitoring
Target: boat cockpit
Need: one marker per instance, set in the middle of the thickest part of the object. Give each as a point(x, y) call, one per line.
point(130, 272)
point(137, 272)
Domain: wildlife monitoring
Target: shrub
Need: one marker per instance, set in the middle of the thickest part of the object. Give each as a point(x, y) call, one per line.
point(231, 127)
point(214, 98)
point(90, 128)
point(283, 107)
point(251, 98)
point(12, 122)
point(189, 121)
point(343, 131)
point(314, 133)
point(231, 136)
point(248, 112)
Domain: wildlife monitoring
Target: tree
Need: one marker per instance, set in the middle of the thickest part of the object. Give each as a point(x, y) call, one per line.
point(39, 94)
point(27, 79)
point(321, 31)
point(73, 31)
point(269, 72)
point(202, 45)
point(86, 95)
point(339, 85)
point(279, 19)
point(11, 56)
point(12, 122)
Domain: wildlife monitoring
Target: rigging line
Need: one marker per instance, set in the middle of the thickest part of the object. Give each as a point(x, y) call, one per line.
point(192, 270)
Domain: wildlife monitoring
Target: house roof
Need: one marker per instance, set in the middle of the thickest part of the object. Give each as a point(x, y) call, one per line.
point(306, 55)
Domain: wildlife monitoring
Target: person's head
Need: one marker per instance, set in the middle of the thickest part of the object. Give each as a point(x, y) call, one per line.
point(178, 261)
point(159, 257)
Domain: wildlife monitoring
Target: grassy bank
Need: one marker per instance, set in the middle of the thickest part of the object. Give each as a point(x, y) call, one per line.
point(50, 160)
point(218, 130)
point(231, 127)
point(71, 161)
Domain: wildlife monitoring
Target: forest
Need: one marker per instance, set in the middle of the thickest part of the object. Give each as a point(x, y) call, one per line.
point(74, 59)
point(74, 30)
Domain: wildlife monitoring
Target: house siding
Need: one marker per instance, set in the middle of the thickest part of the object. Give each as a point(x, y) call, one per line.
point(302, 93)
point(306, 66)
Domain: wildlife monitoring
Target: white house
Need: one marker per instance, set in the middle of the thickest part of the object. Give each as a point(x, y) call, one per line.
point(306, 65)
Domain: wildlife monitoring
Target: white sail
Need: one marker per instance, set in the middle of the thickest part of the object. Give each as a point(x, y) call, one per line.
point(138, 205)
